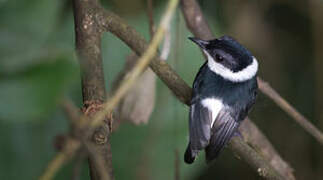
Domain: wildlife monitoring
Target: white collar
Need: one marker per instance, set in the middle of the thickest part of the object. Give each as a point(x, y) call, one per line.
point(240, 76)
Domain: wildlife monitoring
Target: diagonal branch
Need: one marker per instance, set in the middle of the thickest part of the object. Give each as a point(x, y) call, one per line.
point(290, 110)
point(195, 20)
point(258, 141)
point(258, 163)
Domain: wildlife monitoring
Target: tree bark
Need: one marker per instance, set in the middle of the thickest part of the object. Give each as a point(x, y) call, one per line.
point(88, 47)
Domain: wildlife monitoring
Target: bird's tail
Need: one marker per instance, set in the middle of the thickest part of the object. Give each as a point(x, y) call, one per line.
point(190, 155)
point(219, 138)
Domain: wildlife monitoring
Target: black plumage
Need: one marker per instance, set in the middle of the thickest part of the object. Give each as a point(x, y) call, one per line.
point(236, 99)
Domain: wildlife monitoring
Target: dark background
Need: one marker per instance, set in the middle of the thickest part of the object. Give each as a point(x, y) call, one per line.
point(38, 68)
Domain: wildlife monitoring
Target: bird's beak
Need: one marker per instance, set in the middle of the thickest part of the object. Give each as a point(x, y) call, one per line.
point(199, 42)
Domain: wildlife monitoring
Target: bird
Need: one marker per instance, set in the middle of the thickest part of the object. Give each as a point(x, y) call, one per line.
point(224, 90)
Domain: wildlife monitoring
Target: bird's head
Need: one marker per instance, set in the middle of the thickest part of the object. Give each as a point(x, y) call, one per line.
point(228, 58)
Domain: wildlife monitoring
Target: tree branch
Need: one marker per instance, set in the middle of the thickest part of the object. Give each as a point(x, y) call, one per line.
point(88, 47)
point(74, 115)
point(78, 136)
point(258, 141)
point(258, 163)
point(195, 20)
point(290, 110)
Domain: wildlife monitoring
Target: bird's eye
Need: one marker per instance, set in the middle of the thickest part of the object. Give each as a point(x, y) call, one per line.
point(218, 58)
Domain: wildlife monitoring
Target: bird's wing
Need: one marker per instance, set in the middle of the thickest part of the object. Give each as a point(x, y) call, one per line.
point(199, 131)
point(203, 115)
point(222, 130)
point(199, 126)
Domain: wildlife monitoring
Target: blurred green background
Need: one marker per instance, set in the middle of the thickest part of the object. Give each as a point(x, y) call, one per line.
point(38, 68)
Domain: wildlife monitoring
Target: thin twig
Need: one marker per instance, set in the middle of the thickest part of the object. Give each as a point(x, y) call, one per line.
point(70, 147)
point(150, 13)
point(72, 113)
point(290, 110)
point(167, 40)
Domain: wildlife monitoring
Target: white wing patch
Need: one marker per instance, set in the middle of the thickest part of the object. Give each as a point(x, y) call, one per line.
point(214, 105)
point(243, 75)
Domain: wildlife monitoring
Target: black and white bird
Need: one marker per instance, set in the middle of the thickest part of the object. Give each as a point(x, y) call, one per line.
point(224, 91)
